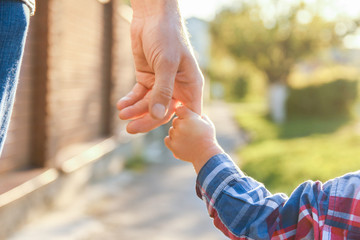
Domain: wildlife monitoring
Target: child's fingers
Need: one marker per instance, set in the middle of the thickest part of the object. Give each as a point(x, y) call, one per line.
point(176, 122)
point(171, 132)
point(184, 112)
point(167, 142)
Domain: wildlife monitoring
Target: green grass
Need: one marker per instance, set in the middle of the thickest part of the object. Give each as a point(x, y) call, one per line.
point(283, 156)
point(136, 163)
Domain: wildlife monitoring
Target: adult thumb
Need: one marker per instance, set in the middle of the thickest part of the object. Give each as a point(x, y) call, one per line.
point(162, 92)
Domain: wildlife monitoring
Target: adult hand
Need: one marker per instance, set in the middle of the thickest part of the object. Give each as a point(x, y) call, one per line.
point(166, 70)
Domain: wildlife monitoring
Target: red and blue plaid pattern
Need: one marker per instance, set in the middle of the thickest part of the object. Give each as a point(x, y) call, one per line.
point(243, 208)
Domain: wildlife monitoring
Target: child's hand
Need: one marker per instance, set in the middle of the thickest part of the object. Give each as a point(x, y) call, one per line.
point(192, 138)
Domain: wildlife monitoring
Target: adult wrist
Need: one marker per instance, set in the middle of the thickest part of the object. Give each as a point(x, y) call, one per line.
point(146, 8)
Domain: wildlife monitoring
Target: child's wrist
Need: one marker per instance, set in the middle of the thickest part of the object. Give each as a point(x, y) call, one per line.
point(206, 156)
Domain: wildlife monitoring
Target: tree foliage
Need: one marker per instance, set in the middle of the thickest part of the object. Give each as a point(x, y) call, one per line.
point(275, 43)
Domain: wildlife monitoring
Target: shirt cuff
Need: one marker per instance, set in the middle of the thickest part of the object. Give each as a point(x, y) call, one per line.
point(215, 175)
point(31, 4)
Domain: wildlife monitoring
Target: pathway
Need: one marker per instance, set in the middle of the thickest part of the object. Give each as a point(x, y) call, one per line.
point(158, 204)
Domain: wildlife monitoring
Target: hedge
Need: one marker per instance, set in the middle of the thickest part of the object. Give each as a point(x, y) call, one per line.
point(328, 99)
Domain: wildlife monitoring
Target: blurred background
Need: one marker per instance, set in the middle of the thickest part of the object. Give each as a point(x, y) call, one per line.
point(290, 72)
point(282, 82)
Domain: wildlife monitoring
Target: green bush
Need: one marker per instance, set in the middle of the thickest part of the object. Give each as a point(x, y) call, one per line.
point(306, 147)
point(237, 89)
point(241, 87)
point(136, 162)
point(334, 98)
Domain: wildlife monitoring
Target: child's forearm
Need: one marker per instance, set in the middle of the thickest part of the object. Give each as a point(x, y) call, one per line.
point(206, 156)
point(243, 208)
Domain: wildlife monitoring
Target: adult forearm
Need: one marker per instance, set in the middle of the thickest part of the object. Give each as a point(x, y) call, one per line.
point(144, 8)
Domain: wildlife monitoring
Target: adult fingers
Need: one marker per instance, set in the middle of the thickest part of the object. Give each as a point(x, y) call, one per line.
point(196, 103)
point(190, 73)
point(162, 90)
point(147, 123)
point(137, 110)
point(137, 93)
point(208, 120)
point(184, 112)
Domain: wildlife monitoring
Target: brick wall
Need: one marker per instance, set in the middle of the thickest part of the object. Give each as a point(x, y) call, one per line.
point(77, 64)
point(76, 82)
point(123, 77)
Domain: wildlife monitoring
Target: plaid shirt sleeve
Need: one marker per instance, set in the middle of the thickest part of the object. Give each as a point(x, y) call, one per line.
point(243, 208)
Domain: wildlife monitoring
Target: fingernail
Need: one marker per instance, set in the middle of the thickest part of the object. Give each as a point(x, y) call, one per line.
point(123, 99)
point(158, 111)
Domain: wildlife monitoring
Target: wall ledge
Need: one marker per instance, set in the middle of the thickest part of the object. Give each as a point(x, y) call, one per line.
point(24, 195)
point(31, 184)
point(85, 157)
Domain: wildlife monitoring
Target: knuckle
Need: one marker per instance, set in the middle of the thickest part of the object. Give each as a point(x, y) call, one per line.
point(168, 60)
point(164, 91)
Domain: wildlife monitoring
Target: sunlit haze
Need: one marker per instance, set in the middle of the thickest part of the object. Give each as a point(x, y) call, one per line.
point(204, 9)
point(330, 9)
